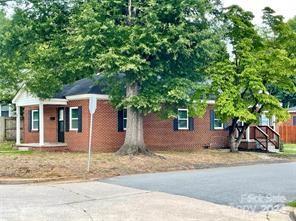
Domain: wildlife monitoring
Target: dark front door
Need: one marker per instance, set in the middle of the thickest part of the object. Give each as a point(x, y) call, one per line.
point(61, 125)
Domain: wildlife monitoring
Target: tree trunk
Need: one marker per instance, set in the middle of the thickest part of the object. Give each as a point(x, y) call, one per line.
point(234, 142)
point(134, 138)
point(241, 134)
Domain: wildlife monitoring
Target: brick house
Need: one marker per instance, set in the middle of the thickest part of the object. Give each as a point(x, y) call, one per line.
point(62, 123)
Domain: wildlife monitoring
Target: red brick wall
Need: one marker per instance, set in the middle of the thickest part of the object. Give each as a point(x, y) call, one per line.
point(105, 133)
point(158, 134)
point(78, 141)
point(50, 125)
point(29, 137)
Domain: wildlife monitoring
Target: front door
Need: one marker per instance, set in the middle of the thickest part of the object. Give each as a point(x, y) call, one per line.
point(61, 125)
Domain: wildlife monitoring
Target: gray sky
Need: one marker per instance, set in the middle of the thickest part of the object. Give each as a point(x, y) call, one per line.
point(287, 8)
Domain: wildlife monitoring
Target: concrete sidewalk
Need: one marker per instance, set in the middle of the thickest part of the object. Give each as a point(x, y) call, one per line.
point(99, 201)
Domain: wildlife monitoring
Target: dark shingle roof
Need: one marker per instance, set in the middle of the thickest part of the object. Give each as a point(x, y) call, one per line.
point(83, 86)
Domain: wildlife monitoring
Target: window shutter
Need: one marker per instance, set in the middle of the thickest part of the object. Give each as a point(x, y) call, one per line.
point(191, 123)
point(30, 120)
point(120, 121)
point(67, 118)
point(212, 119)
point(79, 119)
point(175, 124)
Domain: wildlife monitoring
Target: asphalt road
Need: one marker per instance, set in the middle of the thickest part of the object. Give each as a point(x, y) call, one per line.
point(255, 187)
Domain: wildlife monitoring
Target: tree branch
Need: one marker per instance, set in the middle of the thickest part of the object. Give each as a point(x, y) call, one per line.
point(129, 21)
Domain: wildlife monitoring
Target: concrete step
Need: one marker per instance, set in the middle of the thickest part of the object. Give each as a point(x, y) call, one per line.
point(24, 148)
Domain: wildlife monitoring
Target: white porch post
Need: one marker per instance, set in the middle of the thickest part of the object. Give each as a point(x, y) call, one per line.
point(248, 134)
point(18, 125)
point(41, 124)
point(273, 122)
point(10, 110)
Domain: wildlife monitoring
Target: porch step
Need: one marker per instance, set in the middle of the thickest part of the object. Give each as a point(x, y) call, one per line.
point(271, 147)
point(45, 147)
point(24, 148)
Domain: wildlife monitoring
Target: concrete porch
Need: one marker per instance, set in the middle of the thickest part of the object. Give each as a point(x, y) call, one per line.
point(45, 146)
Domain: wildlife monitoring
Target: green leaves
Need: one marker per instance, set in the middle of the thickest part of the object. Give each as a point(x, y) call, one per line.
point(245, 84)
point(32, 48)
point(165, 48)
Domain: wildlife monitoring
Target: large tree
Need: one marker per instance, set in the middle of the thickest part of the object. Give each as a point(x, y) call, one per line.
point(151, 53)
point(283, 35)
point(5, 91)
point(32, 47)
point(243, 83)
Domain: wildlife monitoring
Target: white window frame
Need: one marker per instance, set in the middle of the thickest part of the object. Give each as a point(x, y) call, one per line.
point(187, 119)
point(222, 124)
point(70, 120)
point(34, 120)
point(124, 119)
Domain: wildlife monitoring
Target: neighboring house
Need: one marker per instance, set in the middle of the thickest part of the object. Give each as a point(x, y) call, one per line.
point(288, 129)
point(292, 120)
point(62, 123)
point(6, 110)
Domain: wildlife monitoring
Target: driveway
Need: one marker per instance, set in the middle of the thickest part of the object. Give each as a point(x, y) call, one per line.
point(256, 187)
point(96, 201)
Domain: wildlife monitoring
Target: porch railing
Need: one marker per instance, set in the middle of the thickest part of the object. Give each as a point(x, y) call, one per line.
point(261, 137)
point(264, 135)
point(274, 136)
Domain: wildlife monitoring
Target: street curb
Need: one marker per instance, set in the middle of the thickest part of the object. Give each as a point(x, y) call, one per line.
point(11, 181)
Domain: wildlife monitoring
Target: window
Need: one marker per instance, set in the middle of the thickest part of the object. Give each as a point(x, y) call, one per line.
point(183, 119)
point(4, 113)
point(73, 118)
point(4, 110)
point(264, 120)
point(218, 124)
point(35, 120)
point(294, 120)
point(124, 119)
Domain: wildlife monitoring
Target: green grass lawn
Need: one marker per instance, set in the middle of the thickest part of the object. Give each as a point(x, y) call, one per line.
point(290, 149)
point(292, 204)
point(9, 148)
